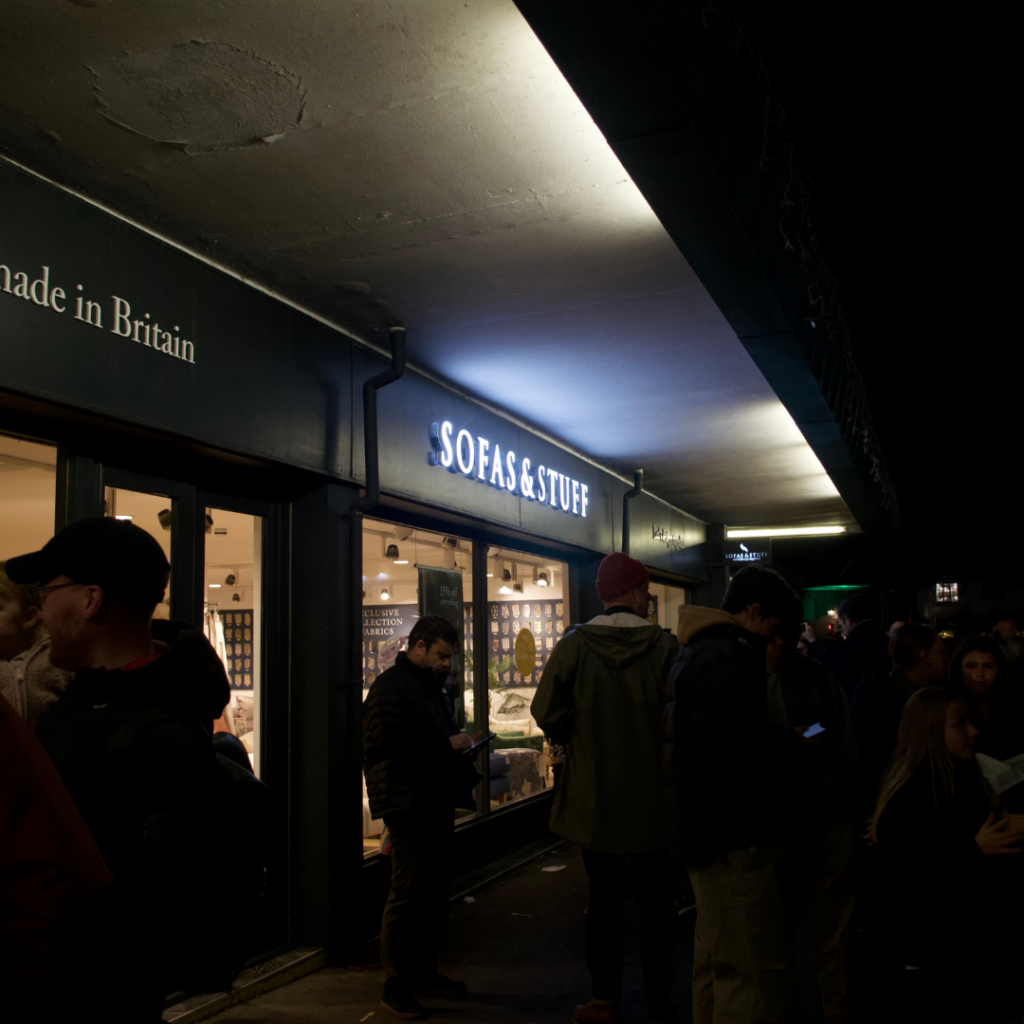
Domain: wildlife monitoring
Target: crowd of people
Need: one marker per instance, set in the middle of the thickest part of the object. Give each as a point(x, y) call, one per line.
point(835, 785)
point(871, 788)
point(772, 779)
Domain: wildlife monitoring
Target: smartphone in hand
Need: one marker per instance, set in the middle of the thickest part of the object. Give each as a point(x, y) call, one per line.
point(813, 730)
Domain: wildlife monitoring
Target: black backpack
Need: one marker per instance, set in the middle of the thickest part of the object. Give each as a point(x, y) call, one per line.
point(230, 867)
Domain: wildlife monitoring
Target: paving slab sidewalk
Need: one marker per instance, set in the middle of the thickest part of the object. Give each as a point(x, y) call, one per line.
point(519, 947)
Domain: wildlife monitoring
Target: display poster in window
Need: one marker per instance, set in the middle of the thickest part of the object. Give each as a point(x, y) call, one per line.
point(386, 630)
point(237, 653)
point(441, 593)
point(544, 619)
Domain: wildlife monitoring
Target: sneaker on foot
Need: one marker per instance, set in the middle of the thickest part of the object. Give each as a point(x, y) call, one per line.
point(597, 1011)
point(660, 1010)
point(439, 986)
point(399, 1001)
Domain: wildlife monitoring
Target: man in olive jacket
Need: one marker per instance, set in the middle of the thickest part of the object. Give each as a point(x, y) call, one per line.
point(601, 696)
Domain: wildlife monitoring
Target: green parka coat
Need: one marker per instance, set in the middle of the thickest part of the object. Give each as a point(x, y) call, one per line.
point(602, 695)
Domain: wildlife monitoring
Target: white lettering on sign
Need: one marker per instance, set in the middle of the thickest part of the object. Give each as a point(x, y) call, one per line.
point(672, 542)
point(144, 331)
point(478, 459)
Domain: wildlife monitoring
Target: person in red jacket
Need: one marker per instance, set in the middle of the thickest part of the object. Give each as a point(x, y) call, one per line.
point(53, 883)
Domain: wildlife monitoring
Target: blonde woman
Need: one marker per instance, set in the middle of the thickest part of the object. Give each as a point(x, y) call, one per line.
point(948, 892)
point(27, 679)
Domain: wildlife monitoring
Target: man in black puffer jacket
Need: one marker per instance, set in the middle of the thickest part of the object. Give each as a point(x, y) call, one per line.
point(722, 758)
point(416, 775)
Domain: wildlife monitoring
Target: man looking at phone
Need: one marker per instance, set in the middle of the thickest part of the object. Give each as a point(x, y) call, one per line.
point(601, 696)
point(416, 775)
point(723, 752)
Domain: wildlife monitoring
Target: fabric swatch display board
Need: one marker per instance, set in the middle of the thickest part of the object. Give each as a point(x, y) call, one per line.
point(545, 619)
point(237, 625)
point(386, 629)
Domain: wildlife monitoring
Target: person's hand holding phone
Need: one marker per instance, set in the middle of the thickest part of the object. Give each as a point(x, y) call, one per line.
point(810, 733)
point(460, 741)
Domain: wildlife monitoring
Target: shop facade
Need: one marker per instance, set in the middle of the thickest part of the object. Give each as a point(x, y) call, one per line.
point(137, 380)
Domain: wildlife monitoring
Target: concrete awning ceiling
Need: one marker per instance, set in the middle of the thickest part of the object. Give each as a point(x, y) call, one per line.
point(424, 163)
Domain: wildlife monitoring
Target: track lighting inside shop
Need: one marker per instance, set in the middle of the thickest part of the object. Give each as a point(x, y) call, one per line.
point(385, 594)
point(542, 577)
point(215, 586)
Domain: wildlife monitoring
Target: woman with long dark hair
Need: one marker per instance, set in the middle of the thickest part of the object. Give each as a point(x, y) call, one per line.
point(980, 676)
point(948, 885)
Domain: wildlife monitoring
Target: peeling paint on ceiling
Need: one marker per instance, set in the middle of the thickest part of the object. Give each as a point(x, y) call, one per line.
point(204, 97)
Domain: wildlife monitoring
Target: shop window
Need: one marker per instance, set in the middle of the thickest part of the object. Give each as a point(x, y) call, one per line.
point(154, 513)
point(232, 593)
point(527, 615)
point(402, 571)
point(27, 503)
point(27, 497)
point(946, 593)
point(665, 604)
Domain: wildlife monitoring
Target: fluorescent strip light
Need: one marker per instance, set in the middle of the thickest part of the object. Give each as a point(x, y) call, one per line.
point(787, 531)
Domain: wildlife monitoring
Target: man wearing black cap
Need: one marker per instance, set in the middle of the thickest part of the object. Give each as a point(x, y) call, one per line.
point(130, 739)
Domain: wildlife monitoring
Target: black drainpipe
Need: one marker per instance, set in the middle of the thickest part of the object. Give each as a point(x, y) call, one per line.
point(370, 388)
point(638, 486)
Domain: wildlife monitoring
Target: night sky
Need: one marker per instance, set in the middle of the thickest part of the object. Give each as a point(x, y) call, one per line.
point(901, 117)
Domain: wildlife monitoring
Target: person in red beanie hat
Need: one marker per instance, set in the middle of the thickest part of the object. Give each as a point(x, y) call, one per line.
point(619, 574)
point(601, 697)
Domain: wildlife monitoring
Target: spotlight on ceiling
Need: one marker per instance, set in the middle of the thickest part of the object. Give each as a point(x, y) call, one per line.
point(517, 588)
point(236, 597)
point(385, 594)
point(229, 580)
point(541, 577)
point(166, 518)
point(392, 552)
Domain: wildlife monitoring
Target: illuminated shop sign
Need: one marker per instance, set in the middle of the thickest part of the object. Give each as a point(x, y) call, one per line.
point(741, 553)
point(477, 458)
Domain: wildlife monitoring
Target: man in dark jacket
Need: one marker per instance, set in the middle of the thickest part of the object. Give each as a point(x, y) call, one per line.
point(723, 759)
point(130, 739)
point(821, 807)
point(864, 651)
point(416, 774)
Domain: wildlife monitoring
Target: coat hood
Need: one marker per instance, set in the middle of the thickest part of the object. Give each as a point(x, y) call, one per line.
point(693, 619)
point(619, 646)
point(187, 680)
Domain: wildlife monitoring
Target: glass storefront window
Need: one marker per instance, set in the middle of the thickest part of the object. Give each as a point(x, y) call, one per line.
point(527, 616)
point(154, 513)
point(28, 496)
point(28, 472)
point(232, 593)
point(665, 604)
point(398, 562)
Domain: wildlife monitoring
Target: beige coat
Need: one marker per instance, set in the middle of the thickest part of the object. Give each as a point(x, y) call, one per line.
point(31, 683)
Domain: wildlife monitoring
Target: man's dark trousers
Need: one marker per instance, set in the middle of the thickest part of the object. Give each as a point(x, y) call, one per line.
point(415, 921)
point(648, 877)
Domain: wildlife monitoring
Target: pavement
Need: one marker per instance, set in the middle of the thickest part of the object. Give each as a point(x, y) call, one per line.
point(518, 945)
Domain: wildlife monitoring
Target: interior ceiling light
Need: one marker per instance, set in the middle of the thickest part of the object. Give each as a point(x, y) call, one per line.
point(214, 586)
point(392, 552)
point(166, 518)
point(236, 597)
point(541, 577)
point(517, 588)
point(128, 518)
point(787, 531)
point(384, 593)
point(229, 580)
point(504, 590)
